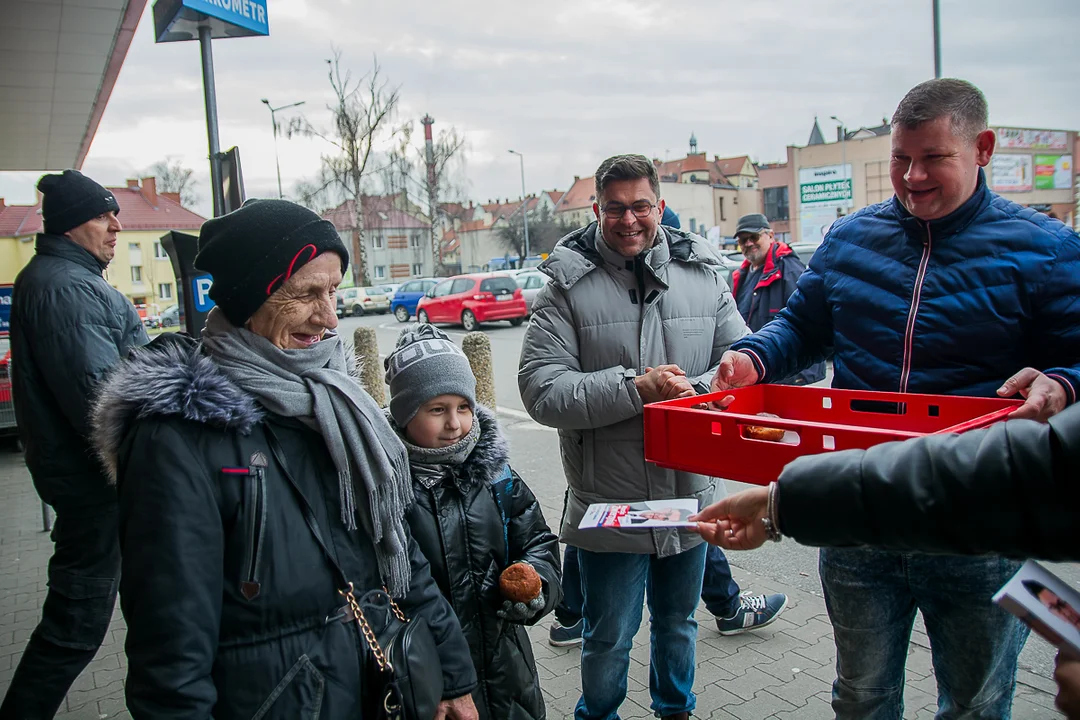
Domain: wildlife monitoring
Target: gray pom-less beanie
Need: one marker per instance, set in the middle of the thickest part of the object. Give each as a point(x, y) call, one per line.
point(425, 364)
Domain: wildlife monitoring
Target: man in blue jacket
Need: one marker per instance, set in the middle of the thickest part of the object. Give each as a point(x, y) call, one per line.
point(945, 288)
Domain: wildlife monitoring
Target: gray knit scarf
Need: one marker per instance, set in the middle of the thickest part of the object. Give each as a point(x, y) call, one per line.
point(313, 386)
point(431, 466)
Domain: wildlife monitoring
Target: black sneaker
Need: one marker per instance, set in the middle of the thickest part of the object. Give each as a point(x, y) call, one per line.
point(754, 611)
point(562, 636)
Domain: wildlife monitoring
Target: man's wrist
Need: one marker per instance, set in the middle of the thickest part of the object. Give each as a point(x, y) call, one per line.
point(771, 521)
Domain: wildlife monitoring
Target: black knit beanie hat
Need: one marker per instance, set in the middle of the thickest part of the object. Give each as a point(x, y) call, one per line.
point(70, 199)
point(253, 251)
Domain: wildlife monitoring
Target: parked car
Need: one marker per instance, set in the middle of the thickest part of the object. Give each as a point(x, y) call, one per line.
point(473, 299)
point(359, 301)
point(170, 317)
point(389, 290)
point(530, 284)
point(805, 250)
point(408, 294)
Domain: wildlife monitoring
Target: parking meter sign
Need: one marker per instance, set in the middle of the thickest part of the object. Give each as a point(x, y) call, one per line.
point(201, 293)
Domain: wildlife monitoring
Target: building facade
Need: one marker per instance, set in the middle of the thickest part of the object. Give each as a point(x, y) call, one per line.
point(397, 238)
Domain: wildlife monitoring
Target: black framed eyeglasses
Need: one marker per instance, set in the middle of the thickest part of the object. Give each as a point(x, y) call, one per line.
point(615, 211)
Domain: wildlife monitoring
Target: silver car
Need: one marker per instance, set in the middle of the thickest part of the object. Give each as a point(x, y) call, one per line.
point(530, 284)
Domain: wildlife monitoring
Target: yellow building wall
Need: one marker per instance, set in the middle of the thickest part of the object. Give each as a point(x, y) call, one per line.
point(14, 254)
point(156, 286)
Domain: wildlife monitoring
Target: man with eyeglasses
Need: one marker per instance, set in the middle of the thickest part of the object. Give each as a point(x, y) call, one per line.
point(635, 313)
point(768, 276)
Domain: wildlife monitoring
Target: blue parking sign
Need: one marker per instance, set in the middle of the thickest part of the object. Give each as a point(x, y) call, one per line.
point(5, 309)
point(200, 288)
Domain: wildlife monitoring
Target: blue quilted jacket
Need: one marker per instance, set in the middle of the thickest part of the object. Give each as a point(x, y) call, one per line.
point(950, 306)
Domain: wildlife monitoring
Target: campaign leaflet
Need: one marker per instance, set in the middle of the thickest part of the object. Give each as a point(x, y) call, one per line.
point(1046, 603)
point(640, 515)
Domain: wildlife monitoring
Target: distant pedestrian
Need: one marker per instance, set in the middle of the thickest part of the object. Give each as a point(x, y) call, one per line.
point(69, 328)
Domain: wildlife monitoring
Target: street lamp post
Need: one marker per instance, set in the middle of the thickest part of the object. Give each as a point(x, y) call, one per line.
point(524, 204)
point(843, 153)
point(273, 120)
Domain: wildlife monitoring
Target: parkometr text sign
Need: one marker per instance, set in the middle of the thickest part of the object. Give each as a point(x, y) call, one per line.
point(249, 14)
point(179, 20)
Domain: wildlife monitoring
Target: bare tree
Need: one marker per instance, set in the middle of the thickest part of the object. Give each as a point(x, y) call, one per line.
point(171, 176)
point(362, 114)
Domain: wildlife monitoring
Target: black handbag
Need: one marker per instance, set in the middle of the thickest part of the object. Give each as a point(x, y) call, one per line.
point(408, 682)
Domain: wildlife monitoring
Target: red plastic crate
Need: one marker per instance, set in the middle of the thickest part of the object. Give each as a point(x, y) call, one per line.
point(711, 442)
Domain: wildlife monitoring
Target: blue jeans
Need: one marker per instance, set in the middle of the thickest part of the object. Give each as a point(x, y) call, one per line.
point(718, 589)
point(568, 611)
point(872, 596)
point(614, 585)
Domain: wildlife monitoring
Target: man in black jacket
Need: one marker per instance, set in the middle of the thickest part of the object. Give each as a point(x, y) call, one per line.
point(69, 327)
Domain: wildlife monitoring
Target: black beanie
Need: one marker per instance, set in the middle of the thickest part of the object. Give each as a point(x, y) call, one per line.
point(253, 251)
point(70, 199)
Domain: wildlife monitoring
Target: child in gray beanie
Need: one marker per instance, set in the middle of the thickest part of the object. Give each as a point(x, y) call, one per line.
point(474, 516)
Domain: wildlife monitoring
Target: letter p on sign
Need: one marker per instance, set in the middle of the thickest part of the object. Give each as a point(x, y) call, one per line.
point(201, 287)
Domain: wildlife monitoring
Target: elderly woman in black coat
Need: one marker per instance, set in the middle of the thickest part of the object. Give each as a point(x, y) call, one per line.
point(257, 482)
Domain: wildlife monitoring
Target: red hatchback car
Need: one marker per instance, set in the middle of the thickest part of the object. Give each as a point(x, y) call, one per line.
point(473, 299)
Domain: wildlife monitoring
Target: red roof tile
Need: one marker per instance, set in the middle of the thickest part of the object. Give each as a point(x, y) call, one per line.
point(19, 220)
point(581, 194)
point(473, 225)
point(555, 195)
point(136, 213)
point(696, 163)
point(732, 165)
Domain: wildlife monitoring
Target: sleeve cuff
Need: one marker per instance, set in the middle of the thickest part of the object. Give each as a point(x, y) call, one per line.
point(1070, 391)
point(758, 364)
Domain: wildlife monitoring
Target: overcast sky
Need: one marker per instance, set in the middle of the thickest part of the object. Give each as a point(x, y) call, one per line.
point(570, 82)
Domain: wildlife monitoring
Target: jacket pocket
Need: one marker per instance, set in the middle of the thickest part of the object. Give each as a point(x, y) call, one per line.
point(298, 696)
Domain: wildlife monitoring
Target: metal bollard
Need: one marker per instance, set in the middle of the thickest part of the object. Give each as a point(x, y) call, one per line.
point(46, 517)
point(366, 347)
point(477, 347)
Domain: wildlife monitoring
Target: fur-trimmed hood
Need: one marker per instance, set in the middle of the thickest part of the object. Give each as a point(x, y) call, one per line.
point(170, 377)
point(487, 459)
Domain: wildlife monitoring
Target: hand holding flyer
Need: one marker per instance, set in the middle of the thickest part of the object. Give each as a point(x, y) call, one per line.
point(640, 515)
point(1046, 603)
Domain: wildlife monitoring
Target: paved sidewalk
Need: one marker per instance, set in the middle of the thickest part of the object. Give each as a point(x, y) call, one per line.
point(783, 671)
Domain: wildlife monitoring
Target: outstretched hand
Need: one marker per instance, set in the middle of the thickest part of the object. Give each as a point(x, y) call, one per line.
point(736, 370)
point(734, 523)
point(1044, 396)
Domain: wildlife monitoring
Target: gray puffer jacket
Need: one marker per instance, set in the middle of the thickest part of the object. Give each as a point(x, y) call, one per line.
point(602, 320)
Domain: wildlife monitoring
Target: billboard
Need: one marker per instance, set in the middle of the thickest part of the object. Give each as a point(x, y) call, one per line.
point(826, 185)
point(1010, 173)
point(825, 193)
point(1025, 139)
point(1053, 172)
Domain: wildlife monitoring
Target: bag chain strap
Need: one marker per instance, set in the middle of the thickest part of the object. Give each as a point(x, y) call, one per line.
point(369, 635)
